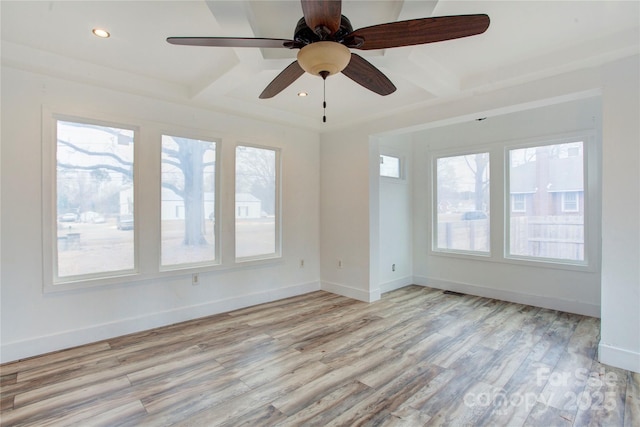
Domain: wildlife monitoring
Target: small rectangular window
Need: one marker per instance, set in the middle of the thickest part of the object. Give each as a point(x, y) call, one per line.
point(390, 166)
point(94, 200)
point(188, 201)
point(552, 178)
point(462, 197)
point(518, 203)
point(257, 202)
point(570, 201)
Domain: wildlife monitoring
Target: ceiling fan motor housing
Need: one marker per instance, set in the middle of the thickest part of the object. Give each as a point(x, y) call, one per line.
point(303, 35)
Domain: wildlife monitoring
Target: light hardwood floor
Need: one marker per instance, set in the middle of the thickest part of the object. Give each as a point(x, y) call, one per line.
point(416, 357)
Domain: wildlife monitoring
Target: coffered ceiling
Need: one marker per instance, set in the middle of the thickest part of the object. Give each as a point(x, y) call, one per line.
point(526, 40)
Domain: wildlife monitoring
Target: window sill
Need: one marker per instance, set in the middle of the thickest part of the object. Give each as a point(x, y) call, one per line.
point(529, 262)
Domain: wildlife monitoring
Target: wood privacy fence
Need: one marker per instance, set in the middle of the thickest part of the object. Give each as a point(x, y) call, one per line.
point(560, 237)
point(464, 235)
point(555, 237)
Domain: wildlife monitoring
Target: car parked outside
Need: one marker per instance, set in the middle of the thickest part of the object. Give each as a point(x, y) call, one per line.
point(125, 222)
point(473, 215)
point(69, 217)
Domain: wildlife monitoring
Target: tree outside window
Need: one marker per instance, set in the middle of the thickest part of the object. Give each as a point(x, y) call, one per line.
point(187, 201)
point(462, 197)
point(94, 199)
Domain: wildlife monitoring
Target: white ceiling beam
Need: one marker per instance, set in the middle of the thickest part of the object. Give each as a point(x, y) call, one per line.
point(414, 9)
point(416, 66)
point(234, 18)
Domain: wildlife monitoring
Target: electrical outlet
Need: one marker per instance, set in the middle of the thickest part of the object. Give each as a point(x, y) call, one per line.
point(195, 279)
point(301, 263)
point(393, 267)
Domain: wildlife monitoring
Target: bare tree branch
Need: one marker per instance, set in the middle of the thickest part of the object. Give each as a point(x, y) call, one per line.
point(126, 172)
point(172, 163)
point(169, 152)
point(95, 153)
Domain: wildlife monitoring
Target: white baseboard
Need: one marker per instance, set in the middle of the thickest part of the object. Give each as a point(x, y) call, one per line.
point(619, 357)
point(568, 306)
point(396, 284)
point(349, 292)
point(44, 344)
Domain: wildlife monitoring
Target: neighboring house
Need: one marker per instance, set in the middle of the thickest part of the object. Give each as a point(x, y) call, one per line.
point(554, 188)
point(248, 206)
point(172, 205)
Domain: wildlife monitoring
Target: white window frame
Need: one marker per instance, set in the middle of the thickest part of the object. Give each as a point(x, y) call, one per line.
point(591, 199)
point(51, 281)
point(401, 174)
point(278, 207)
point(434, 204)
point(500, 201)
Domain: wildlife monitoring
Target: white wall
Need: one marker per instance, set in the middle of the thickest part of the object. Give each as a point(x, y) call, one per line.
point(396, 218)
point(33, 322)
point(620, 342)
point(344, 215)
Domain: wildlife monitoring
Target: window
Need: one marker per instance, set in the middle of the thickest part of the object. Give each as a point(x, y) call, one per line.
point(518, 203)
point(570, 201)
point(257, 203)
point(462, 197)
point(553, 180)
point(187, 200)
point(94, 200)
point(390, 166)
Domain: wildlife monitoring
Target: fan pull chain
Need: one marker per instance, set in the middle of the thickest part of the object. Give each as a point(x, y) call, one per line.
point(324, 75)
point(324, 100)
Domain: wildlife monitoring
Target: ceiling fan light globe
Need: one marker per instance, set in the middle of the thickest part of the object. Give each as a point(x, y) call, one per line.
point(324, 56)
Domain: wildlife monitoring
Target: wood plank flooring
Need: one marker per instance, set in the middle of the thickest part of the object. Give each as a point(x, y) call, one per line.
point(416, 357)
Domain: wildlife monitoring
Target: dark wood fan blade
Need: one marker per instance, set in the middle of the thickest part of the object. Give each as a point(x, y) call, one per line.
point(417, 31)
point(322, 14)
point(231, 42)
point(362, 72)
point(282, 80)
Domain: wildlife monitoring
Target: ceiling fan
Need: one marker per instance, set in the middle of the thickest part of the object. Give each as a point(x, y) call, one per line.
point(324, 37)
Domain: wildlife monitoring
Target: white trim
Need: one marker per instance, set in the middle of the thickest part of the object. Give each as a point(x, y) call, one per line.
point(349, 292)
point(619, 357)
point(400, 160)
point(49, 120)
point(396, 284)
point(44, 344)
point(569, 306)
point(591, 194)
point(435, 224)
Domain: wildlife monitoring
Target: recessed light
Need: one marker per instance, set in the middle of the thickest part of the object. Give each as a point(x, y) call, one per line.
point(99, 32)
point(302, 94)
